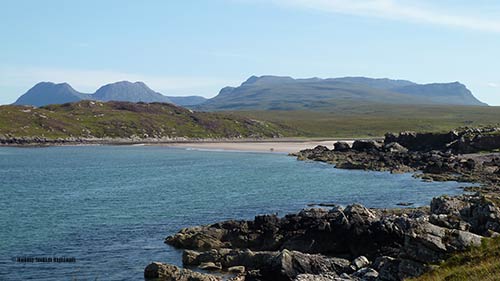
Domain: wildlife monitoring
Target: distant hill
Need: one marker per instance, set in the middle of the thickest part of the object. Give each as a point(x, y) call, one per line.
point(96, 119)
point(286, 93)
point(45, 93)
point(188, 100)
point(128, 91)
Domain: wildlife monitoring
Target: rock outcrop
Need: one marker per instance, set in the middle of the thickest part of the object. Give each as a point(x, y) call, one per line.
point(330, 244)
point(465, 140)
point(394, 157)
point(162, 271)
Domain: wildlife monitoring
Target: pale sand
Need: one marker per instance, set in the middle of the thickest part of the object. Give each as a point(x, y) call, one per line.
point(275, 146)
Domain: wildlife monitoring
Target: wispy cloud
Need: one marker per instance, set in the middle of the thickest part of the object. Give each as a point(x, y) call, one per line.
point(402, 10)
point(493, 85)
point(23, 78)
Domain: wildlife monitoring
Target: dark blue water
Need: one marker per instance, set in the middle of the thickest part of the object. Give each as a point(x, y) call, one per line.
point(110, 207)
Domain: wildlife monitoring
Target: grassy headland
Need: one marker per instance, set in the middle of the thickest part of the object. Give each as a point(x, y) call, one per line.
point(93, 119)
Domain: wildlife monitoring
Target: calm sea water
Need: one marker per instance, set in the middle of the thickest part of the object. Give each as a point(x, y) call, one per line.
point(110, 207)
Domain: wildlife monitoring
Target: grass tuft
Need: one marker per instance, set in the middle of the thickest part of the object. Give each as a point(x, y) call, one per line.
point(478, 263)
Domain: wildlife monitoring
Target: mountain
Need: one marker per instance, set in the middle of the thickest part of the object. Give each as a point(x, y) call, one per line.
point(187, 101)
point(128, 91)
point(48, 92)
point(45, 93)
point(286, 93)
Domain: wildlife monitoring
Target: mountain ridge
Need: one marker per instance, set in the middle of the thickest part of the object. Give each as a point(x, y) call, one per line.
point(270, 92)
point(286, 93)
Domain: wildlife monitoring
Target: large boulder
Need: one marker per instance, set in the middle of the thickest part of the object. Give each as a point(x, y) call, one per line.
point(228, 258)
point(366, 145)
point(428, 243)
point(341, 146)
point(198, 238)
point(167, 272)
point(395, 147)
point(447, 205)
point(290, 264)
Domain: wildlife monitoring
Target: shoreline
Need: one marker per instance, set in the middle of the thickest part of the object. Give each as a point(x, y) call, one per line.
point(263, 146)
point(277, 145)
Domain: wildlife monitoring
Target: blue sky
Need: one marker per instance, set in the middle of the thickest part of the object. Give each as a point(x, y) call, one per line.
point(199, 46)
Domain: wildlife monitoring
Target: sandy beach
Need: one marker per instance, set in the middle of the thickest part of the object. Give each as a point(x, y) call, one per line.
point(274, 146)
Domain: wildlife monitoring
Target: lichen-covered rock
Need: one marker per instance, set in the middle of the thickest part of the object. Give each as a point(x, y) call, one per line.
point(428, 243)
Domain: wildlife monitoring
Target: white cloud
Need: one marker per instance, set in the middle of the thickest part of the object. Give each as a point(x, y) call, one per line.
point(401, 10)
point(22, 78)
point(493, 85)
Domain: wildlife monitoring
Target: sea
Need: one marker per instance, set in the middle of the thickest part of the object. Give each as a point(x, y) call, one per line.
point(103, 212)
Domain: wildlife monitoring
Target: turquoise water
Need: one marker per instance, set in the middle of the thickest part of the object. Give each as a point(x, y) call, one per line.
point(110, 207)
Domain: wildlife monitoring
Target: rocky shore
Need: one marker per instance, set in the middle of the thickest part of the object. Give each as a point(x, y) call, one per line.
point(467, 155)
point(357, 243)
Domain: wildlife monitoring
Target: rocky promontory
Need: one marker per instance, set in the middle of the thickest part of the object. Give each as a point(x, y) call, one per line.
point(355, 242)
point(467, 155)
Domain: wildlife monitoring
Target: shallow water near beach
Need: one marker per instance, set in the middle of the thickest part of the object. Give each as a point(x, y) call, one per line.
point(110, 207)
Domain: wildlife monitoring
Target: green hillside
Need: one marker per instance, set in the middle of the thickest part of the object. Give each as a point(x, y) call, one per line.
point(89, 119)
point(372, 120)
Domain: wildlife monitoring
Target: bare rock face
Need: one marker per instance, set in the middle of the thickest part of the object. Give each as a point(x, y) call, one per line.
point(314, 243)
point(428, 243)
point(161, 271)
point(472, 213)
point(277, 265)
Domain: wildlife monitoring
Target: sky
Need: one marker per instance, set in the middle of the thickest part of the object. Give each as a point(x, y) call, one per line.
point(197, 47)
